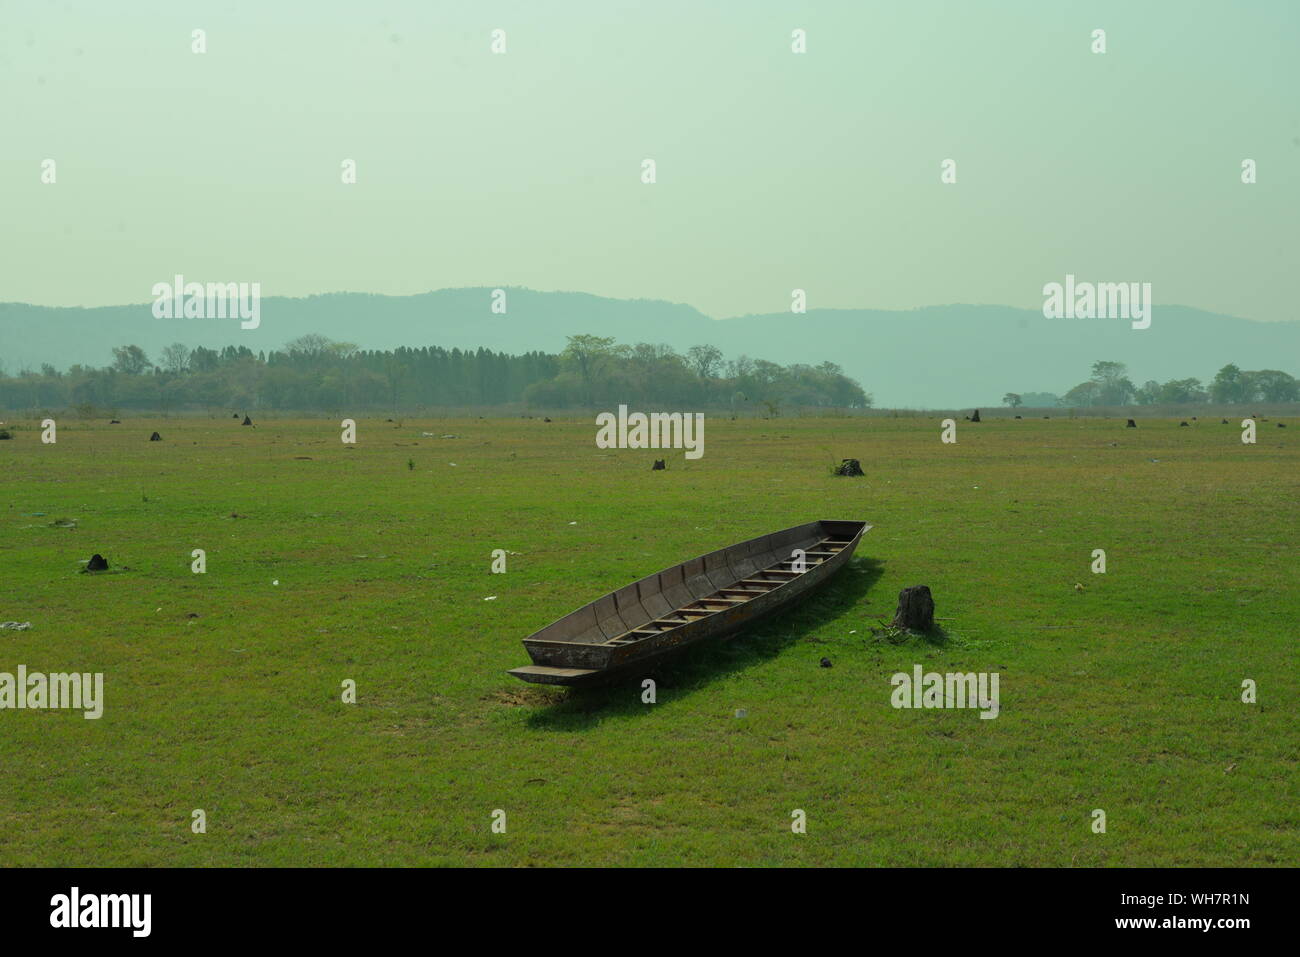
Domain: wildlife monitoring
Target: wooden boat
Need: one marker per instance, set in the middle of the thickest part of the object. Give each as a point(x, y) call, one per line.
point(633, 629)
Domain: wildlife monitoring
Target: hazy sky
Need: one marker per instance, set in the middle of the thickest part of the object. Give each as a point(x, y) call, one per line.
point(819, 171)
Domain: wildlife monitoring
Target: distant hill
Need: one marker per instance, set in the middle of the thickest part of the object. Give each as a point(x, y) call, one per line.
point(935, 357)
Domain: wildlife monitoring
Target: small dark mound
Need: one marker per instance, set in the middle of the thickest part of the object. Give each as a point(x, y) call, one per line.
point(1224, 422)
point(5, 435)
point(1131, 424)
point(850, 467)
point(659, 466)
point(546, 420)
point(826, 663)
point(234, 415)
point(114, 421)
point(97, 563)
point(1281, 425)
point(1183, 425)
point(155, 437)
point(247, 421)
point(1017, 417)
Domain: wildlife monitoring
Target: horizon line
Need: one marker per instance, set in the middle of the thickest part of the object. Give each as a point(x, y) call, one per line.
point(670, 302)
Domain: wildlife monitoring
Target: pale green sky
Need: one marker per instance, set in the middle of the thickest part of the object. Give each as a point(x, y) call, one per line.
point(775, 170)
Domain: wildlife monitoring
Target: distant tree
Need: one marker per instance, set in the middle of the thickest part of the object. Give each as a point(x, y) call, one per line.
point(766, 373)
point(1083, 394)
point(1149, 394)
point(705, 360)
point(740, 368)
point(176, 358)
point(313, 344)
point(1041, 400)
point(1113, 385)
point(1270, 385)
point(204, 360)
point(1012, 399)
point(588, 355)
point(1182, 392)
point(1230, 385)
point(130, 360)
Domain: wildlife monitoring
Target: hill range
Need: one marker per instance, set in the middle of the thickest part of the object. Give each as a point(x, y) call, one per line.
point(931, 357)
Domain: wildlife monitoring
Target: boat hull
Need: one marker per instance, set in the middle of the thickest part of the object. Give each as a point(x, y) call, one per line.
point(724, 592)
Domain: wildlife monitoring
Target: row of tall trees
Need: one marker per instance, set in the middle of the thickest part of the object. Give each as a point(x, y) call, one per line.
point(595, 371)
point(1110, 385)
point(313, 373)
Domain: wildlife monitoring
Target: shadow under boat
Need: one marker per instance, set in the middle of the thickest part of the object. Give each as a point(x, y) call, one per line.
point(640, 627)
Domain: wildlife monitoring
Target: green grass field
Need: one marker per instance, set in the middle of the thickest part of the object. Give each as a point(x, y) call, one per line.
point(1124, 696)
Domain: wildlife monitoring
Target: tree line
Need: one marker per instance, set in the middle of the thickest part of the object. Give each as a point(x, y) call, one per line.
point(313, 373)
point(1110, 385)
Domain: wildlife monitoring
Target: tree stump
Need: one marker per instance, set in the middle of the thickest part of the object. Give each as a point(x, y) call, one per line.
point(850, 467)
point(975, 416)
point(915, 609)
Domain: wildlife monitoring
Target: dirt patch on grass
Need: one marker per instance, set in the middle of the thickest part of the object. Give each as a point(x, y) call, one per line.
point(523, 697)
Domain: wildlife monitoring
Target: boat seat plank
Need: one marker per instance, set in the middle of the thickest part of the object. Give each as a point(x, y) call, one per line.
point(529, 672)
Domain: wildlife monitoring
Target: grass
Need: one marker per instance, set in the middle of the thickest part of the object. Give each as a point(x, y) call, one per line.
point(1123, 696)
